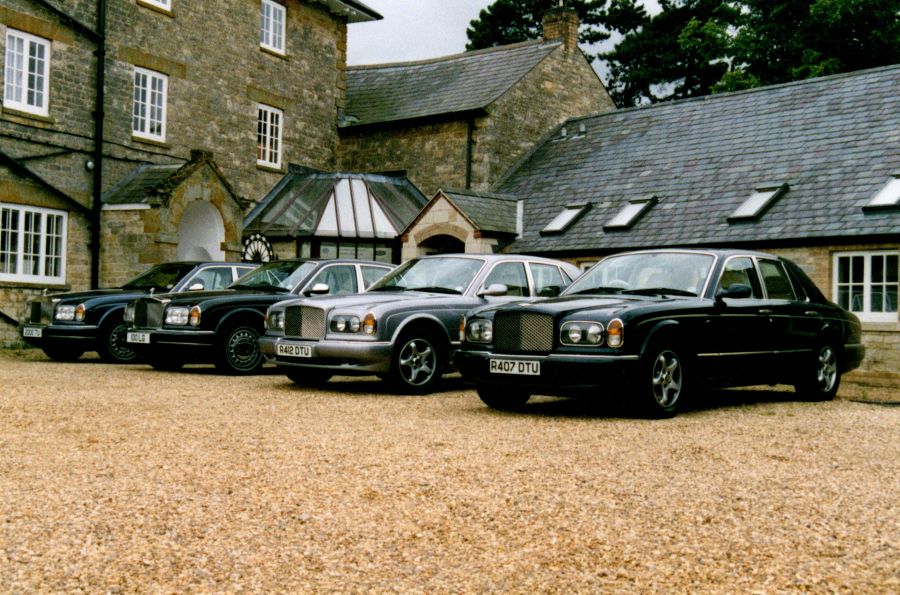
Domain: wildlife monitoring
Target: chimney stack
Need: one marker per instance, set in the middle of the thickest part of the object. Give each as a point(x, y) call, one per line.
point(561, 23)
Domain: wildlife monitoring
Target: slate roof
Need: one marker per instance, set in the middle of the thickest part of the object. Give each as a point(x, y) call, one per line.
point(489, 212)
point(834, 140)
point(452, 84)
point(137, 186)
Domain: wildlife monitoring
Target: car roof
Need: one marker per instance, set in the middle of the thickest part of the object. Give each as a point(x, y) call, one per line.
point(724, 252)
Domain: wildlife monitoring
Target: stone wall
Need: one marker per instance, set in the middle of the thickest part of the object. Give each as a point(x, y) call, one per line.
point(442, 218)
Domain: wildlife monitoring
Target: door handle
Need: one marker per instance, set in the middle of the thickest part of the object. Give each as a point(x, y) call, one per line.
point(812, 313)
point(765, 311)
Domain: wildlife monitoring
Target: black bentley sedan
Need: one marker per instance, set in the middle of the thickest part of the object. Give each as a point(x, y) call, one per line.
point(223, 326)
point(652, 326)
point(66, 325)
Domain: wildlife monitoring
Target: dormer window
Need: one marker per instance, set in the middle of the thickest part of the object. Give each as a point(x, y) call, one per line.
point(565, 219)
point(888, 197)
point(271, 26)
point(759, 202)
point(631, 213)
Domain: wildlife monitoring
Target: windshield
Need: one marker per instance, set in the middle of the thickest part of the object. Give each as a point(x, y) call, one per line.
point(442, 274)
point(281, 274)
point(678, 273)
point(162, 277)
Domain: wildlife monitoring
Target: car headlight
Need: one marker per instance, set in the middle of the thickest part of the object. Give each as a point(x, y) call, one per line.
point(615, 333)
point(275, 320)
point(128, 315)
point(346, 324)
point(581, 333)
point(479, 331)
point(66, 312)
point(178, 315)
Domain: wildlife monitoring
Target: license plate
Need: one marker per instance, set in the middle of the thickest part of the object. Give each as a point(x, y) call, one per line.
point(511, 366)
point(138, 337)
point(293, 350)
point(31, 331)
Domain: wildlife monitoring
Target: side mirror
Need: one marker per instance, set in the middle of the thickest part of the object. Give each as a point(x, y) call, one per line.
point(318, 289)
point(738, 291)
point(198, 286)
point(550, 291)
point(494, 290)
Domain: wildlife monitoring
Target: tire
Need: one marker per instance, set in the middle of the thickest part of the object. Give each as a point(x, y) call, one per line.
point(309, 377)
point(238, 352)
point(62, 354)
point(113, 346)
point(416, 363)
point(662, 381)
point(503, 398)
point(822, 378)
point(163, 364)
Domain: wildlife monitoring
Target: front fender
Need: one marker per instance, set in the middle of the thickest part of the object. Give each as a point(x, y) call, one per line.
point(240, 314)
point(660, 329)
point(429, 320)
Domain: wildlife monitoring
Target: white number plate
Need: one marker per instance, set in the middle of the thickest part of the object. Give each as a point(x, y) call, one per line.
point(138, 337)
point(31, 331)
point(293, 350)
point(510, 366)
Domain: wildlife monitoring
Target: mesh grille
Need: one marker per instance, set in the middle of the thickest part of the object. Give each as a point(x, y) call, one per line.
point(304, 322)
point(523, 332)
point(148, 313)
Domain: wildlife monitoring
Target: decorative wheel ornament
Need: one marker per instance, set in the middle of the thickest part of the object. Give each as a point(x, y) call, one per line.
point(258, 249)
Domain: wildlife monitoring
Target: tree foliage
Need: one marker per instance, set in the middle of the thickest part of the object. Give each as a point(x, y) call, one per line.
point(696, 47)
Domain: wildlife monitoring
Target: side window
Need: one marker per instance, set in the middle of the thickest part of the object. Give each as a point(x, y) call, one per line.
point(340, 279)
point(241, 271)
point(511, 274)
point(372, 274)
point(548, 281)
point(211, 278)
point(740, 271)
point(778, 286)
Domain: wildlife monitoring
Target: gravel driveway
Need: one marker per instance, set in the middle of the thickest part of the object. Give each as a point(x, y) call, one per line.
point(121, 479)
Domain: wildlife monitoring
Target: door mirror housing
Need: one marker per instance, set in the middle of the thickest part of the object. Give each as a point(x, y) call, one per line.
point(494, 290)
point(198, 286)
point(318, 289)
point(738, 291)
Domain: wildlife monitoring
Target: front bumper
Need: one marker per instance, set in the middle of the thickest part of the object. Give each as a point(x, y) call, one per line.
point(82, 336)
point(186, 344)
point(559, 373)
point(341, 357)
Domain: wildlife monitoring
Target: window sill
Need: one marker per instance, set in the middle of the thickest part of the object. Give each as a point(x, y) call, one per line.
point(880, 327)
point(275, 53)
point(271, 168)
point(150, 141)
point(156, 8)
point(14, 115)
point(34, 285)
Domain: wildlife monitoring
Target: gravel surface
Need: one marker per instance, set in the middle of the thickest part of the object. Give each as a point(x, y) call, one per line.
point(123, 479)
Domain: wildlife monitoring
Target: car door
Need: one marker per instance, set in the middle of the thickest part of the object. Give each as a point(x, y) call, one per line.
point(371, 274)
point(547, 279)
point(340, 279)
point(735, 330)
point(792, 324)
point(513, 276)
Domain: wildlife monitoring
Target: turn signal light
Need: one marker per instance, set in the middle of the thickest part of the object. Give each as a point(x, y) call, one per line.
point(615, 333)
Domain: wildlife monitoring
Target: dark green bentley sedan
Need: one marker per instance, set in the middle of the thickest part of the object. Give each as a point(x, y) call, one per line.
point(650, 327)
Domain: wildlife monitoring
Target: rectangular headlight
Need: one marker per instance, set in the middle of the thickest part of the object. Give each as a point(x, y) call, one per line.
point(177, 315)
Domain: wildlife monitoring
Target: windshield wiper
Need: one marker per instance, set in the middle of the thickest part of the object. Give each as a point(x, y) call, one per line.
point(388, 288)
point(436, 289)
point(597, 290)
point(660, 291)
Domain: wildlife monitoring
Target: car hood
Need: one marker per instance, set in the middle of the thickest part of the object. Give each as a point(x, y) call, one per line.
point(370, 300)
point(569, 305)
point(96, 297)
point(193, 297)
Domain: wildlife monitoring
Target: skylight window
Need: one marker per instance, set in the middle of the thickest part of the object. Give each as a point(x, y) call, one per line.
point(566, 218)
point(761, 199)
point(888, 197)
point(630, 213)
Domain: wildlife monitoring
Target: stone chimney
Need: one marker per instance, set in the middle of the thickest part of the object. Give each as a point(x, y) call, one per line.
point(561, 23)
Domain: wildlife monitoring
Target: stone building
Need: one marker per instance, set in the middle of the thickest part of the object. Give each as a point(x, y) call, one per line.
point(809, 170)
point(462, 121)
point(173, 86)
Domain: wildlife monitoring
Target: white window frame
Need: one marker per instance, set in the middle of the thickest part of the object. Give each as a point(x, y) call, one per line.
point(144, 80)
point(272, 26)
point(268, 143)
point(866, 314)
point(165, 5)
point(23, 74)
point(48, 256)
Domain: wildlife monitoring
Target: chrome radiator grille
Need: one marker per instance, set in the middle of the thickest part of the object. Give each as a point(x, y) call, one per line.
point(523, 332)
point(304, 322)
point(41, 312)
point(148, 313)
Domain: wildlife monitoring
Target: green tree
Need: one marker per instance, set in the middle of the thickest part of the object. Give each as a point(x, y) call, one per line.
point(512, 21)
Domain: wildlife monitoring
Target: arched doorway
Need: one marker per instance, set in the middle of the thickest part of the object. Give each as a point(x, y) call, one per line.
point(441, 244)
point(201, 233)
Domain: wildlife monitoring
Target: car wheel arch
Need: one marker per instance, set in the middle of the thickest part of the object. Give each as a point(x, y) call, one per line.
point(429, 324)
point(242, 316)
point(664, 330)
